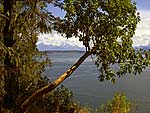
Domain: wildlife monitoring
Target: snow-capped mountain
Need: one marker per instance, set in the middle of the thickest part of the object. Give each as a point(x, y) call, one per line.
point(55, 41)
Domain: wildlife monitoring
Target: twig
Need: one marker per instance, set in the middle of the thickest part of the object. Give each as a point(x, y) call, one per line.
point(4, 16)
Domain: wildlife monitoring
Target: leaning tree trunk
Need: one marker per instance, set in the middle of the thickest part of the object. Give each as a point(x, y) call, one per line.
point(11, 82)
point(54, 84)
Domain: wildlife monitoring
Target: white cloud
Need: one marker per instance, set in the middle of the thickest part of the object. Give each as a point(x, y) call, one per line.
point(57, 40)
point(142, 35)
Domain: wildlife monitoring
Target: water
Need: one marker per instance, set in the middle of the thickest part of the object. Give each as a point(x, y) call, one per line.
point(89, 91)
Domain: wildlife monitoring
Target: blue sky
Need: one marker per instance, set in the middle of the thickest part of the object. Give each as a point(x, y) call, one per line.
point(142, 35)
point(143, 4)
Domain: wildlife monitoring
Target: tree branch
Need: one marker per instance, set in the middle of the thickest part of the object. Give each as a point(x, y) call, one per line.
point(4, 16)
point(55, 83)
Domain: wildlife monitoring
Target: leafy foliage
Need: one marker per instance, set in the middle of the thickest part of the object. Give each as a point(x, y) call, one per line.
point(105, 27)
point(23, 21)
point(60, 100)
point(108, 27)
point(119, 104)
point(20, 60)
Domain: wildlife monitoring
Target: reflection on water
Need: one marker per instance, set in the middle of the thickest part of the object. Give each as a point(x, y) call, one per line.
point(88, 90)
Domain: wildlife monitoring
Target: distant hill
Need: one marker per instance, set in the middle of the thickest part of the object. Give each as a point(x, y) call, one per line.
point(62, 47)
point(144, 47)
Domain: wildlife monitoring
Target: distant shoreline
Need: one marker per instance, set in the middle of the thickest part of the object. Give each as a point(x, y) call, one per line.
point(64, 51)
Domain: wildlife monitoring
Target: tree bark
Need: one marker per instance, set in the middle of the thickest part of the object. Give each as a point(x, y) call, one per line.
point(11, 83)
point(54, 84)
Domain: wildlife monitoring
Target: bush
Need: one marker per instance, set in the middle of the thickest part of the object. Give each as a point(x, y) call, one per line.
point(119, 104)
point(58, 101)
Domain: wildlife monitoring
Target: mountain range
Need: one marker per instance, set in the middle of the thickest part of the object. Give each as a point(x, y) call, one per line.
point(64, 46)
point(144, 47)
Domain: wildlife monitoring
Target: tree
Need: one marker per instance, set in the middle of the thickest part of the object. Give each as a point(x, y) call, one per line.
point(105, 27)
point(20, 67)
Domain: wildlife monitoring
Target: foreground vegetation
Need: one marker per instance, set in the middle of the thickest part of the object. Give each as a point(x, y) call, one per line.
point(104, 27)
point(119, 104)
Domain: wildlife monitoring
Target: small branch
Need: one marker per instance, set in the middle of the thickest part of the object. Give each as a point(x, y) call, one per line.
point(4, 16)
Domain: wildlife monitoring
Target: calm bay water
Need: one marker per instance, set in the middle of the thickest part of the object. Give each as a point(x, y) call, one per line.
point(89, 91)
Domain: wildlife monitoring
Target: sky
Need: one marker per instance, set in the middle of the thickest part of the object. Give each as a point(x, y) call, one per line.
point(143, 4)
point(141, 37)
